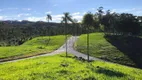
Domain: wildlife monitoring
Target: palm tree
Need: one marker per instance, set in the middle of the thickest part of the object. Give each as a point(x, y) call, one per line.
point(48, 18)
point(65, 19)
point(88, 22)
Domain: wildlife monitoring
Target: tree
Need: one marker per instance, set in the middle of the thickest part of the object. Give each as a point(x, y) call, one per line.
point(128, 24)
point(75, 27)
point(88, 22)
point(100, 13)
point(65, 19)
point(96, 23)
point(107, 21)
point(48, 18)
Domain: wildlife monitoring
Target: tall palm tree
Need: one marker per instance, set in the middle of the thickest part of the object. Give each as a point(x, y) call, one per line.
point(48, 18)
point(88, 22)
point(65, 19)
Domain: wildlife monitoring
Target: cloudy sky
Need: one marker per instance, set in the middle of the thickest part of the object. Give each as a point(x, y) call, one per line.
point(36, 10)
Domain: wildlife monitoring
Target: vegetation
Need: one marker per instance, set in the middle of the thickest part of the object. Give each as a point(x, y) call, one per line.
point(88, 22)
point(120, 43)
point(13, 33)
point(118, 23)
point(118, 49)
point(49, 17)
point(65, 19)
point(36, 46)
point(60, 68)
point(111, 23)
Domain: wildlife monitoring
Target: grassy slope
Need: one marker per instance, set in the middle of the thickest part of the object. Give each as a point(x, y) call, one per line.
point(101, 48)
point(60, 68)
point(35, 46)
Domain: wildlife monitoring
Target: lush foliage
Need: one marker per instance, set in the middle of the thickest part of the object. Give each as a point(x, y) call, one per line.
point(16, 33)
point(38, 45)
point(88, 22)
point(88, 19)
point(60, 68)
point(119, 23)
point(118, 49)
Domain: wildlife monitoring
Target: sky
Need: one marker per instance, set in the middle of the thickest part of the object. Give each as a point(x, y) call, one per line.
point(36, 10)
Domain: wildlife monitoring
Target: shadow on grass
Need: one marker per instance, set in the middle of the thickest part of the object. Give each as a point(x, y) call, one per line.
point(110, 73)
point(130, 46)
point(67, 56)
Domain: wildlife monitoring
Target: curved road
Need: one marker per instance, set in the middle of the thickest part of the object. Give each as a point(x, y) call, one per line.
point(70, 49)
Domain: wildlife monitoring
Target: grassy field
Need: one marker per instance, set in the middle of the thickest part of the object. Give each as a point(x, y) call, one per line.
point(125, 51)
point(59, 67)
point(36, 46)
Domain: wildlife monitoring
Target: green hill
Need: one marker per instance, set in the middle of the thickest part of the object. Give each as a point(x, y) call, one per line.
point(58, 67)
point(118, 49)
point(36, 46)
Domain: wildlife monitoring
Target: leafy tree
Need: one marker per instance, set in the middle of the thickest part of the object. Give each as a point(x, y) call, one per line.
point(88, 22)
point(96, 23)
point(65, 19)
point(128, 24)
point(75, 31)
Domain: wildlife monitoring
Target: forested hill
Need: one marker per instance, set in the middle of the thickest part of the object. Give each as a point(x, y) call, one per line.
point(12, 23)
point(16, 32)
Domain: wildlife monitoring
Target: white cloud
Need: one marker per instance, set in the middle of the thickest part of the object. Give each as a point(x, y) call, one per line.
point(78, 17)
point(1, 17)
point(84, 13)
point(55, 18)
point(76, 13)
point(23, 14)
point(36, 18)
point(48, 12)
point(126, 10)
point(135, 11)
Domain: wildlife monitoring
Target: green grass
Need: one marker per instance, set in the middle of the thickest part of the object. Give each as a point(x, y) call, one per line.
point(100, 47)
point(38, 45)
point(59, 67)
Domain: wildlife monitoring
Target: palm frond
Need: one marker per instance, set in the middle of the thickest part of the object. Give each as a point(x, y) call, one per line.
point(49, 17)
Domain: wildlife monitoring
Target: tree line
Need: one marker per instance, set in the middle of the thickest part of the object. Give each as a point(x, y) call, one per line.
point(111, 23)
point(16, 33)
